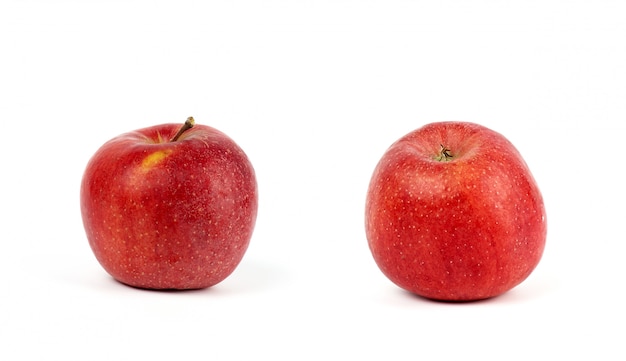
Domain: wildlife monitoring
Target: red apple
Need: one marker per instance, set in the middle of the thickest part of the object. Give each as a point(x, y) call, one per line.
point(169, 207)
point(453, 213)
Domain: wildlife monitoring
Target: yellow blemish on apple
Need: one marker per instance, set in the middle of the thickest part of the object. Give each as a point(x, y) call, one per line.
point(154, 159)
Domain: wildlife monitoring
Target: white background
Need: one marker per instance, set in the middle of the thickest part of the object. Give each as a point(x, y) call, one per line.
point(314, 92)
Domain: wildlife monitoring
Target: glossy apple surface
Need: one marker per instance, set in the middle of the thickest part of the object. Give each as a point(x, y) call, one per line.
point(169, 214)
point(453, 213)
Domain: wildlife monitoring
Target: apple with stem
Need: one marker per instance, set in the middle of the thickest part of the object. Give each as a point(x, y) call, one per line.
point(169, 206)
point(453, 213)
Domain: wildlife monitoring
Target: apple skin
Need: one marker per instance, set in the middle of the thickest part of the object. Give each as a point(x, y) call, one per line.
point(163, 214)
point(466, 225)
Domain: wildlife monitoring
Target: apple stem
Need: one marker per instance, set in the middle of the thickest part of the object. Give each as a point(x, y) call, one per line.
point(444, 154)
point(189, 123)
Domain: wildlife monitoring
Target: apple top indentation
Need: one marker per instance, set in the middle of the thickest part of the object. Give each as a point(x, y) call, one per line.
point(444, 154)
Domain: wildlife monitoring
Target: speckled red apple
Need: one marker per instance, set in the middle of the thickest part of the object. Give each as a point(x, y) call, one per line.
point(453, 213)
point(169, 207)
